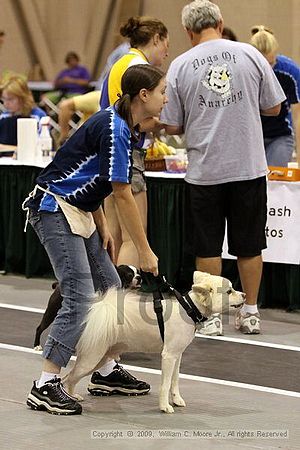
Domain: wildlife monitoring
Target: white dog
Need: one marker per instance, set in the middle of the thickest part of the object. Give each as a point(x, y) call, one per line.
point(116, 325)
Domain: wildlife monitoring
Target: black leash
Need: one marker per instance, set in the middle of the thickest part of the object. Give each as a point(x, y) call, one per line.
point(158, 308)
point(160, 284)
point(157, 284)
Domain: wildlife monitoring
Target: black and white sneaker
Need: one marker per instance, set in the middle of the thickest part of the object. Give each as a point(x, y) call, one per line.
point(52, 397)
point(119, 381)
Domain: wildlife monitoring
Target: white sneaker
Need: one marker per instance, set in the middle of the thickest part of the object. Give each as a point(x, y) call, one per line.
point(212, 326)
point(247, 323)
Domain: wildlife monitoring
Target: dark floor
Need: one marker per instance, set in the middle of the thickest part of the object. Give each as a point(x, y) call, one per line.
point(231, 384)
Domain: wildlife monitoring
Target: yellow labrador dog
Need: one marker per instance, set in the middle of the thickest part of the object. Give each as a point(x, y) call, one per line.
point(117, 324)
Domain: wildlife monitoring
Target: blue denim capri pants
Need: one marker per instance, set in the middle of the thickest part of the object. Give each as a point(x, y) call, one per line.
point(82, 268)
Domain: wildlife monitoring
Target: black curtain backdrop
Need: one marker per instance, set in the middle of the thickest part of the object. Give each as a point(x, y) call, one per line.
point(168, 230)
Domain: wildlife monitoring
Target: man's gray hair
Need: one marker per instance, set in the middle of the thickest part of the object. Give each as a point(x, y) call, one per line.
point(199, 15)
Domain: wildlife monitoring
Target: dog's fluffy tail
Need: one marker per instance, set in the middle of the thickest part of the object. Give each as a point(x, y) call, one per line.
point(101, 330)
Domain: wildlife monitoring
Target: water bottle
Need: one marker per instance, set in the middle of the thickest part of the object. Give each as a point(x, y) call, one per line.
point(45, 140)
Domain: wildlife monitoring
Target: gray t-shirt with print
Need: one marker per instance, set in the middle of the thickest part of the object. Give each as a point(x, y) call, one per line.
point(216, 91)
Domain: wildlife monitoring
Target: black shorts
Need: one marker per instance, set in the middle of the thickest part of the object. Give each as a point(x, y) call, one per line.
point(243, 204)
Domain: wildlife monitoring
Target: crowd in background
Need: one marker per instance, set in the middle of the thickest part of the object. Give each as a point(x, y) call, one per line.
point(73, 99)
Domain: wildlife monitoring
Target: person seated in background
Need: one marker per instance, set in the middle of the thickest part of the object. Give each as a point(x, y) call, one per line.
point(227, 33)
point(87, 104)
point(281, 133)
point(18, 102)
point(69, 82)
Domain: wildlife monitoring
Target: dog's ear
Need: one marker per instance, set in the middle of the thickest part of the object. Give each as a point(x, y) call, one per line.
point(203, 291)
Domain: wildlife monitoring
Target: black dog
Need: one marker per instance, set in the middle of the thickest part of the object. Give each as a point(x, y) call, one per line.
point(130, 278)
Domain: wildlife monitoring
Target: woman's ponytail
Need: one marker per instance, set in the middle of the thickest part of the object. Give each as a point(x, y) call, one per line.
point(123, 106)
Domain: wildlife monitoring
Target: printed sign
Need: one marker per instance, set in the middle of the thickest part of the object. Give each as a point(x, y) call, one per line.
point(283, 224)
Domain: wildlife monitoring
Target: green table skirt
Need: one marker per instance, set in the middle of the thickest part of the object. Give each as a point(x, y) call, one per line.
point(167, 230)
point(19, 252)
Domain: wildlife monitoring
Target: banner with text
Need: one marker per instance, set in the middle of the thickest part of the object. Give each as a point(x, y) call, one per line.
point(283, 224)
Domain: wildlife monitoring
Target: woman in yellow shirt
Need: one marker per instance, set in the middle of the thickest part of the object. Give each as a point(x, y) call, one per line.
point(149, 42)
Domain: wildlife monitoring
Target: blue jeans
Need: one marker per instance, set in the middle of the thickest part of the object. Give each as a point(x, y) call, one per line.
point(82, 268)
point(279, 150)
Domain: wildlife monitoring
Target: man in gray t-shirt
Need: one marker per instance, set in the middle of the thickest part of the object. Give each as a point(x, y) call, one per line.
point(217, 91)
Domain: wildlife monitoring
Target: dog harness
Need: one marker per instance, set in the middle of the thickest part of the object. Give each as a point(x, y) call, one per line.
point(185, 301)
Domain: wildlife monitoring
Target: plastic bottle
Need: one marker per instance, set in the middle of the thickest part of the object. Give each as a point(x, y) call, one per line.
point(45, 140)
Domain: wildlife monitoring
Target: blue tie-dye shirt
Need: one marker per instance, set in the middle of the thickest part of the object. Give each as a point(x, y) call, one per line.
point(83, 169)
